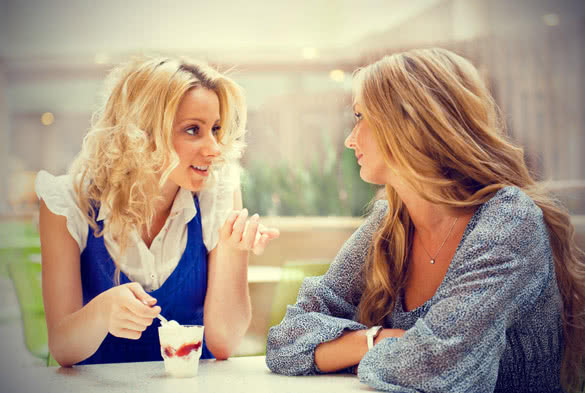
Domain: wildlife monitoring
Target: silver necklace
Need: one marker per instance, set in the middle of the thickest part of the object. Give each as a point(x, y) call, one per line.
point(432, 261)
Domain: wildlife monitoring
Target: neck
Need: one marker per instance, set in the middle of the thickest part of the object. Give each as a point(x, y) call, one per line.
point(430, 220)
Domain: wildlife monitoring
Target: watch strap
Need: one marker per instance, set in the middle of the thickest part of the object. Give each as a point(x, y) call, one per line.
point(371, 334)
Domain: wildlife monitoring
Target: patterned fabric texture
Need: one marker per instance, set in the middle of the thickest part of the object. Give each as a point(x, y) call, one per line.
point(493, 325)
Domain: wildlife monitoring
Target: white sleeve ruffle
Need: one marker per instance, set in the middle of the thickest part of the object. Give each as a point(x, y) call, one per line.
point(217, 201)
point(58, 194)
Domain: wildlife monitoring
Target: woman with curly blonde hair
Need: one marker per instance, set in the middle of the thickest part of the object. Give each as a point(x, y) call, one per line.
point(467, 278)
point(150, 219)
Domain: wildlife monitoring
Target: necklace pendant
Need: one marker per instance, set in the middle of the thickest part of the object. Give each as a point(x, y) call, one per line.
point(432, 261)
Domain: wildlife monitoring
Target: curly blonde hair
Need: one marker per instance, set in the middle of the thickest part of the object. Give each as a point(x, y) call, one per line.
point(128, 153)
point(434, 119)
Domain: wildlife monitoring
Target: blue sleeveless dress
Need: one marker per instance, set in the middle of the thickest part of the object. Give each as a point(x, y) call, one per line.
point(181, 296)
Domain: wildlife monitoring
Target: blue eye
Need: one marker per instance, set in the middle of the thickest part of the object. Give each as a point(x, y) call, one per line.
point(358, 116)
point(215, 129)
point(192, 130)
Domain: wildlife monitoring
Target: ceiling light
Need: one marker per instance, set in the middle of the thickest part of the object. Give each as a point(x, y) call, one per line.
point(551, 19)
point(337, 75)
point(47, 118)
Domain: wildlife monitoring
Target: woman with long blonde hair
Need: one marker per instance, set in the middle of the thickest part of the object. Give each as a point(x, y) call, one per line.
point(149, 219)
point(467, 277)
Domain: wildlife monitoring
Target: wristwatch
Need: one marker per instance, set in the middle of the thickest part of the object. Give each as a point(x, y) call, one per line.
point(371, 334)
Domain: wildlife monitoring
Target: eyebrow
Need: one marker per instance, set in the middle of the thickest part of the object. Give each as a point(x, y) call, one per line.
point(189, 119)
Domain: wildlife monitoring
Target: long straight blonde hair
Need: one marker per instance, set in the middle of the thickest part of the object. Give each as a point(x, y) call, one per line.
point(128, 153)
point(435, 120)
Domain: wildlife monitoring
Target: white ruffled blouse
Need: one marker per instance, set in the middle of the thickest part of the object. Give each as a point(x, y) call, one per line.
point(149, 266)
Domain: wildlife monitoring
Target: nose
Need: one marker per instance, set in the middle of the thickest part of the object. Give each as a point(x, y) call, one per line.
point(350, 140)
point(211, 147)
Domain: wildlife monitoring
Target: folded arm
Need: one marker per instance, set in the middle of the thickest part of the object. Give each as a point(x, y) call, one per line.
point(325, 311)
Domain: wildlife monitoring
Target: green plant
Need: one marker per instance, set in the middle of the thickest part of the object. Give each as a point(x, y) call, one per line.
point(327, 187)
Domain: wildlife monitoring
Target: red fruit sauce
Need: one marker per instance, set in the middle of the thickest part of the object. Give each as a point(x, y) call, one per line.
point(184, 350)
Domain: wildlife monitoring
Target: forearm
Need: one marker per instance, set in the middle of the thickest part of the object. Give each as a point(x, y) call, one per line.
point(348, 350)
point(227, 311)
point(78, 335)
point(343, 352)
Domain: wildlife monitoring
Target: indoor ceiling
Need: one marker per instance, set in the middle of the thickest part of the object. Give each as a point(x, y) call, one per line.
point(32, 29)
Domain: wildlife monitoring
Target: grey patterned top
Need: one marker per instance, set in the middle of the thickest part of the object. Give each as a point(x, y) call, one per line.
point(493, 324)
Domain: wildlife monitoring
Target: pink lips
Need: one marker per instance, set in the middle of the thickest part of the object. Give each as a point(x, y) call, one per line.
point(359, 157)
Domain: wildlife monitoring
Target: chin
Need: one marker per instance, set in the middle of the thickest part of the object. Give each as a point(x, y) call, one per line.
point(195, 187)
point(368, 178)
point(191, 185)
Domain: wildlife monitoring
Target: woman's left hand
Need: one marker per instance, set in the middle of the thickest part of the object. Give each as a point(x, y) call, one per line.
point(240, 233)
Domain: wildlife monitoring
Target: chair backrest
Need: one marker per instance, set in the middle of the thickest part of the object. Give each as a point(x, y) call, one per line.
point(26, 278)
point(293, 274)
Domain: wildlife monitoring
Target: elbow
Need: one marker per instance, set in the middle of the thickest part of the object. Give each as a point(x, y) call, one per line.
point(284, 363)
point(63, 354)
point(221, 351)
point(59, 357)
point(222, 341)
point(273, 355)
point(223, 344)
point(291, 365)
point(272, 361)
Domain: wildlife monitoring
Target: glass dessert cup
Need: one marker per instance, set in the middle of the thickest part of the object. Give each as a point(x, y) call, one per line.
point(180, 347)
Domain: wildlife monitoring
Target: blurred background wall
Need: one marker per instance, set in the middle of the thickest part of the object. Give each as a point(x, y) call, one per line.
point(295, 62)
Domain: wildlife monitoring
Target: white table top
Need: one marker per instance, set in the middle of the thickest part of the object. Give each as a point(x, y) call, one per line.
point(244, 374)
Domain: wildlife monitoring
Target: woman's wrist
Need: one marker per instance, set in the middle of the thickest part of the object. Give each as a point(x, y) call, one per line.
point(230, 254)
point(100, 308)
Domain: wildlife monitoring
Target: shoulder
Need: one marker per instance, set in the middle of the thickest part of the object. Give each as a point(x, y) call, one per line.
point(511, 216)
point(362, 237)
point(507, 236)
point(55, 190)
point(59, 196)
point(504, 260)
point(376, 215)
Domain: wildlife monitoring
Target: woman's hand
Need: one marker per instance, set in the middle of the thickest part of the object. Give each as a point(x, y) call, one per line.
point(128, 310)
point(240, 233)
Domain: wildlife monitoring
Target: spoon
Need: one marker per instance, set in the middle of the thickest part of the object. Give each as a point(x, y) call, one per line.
point(163, 320)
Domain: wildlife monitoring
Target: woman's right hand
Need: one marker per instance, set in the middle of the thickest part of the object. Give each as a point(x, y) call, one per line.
point(128, 310)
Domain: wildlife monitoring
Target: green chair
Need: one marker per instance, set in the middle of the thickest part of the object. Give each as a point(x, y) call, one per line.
point(293, 274)
point(26, 278)
point(15, 248)
point(287, 289)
